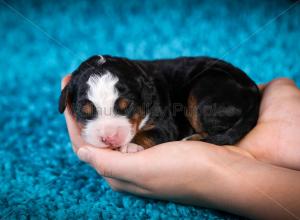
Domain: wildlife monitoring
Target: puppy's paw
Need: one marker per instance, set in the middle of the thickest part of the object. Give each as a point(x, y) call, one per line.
point(131, 148)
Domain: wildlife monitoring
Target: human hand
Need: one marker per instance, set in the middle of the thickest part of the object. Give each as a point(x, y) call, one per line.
point(208, 175)
point(275, 139)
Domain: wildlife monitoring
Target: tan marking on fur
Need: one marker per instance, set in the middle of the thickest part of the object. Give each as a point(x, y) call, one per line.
point(135, 120)
point(192, 115)
point(123, 103)
point(148, 126)
point(88, 109)
point(141, 137)
point(197, 137)
point(142, 140)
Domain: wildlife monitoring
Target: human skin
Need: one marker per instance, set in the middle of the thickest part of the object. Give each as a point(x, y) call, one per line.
point(258, 178)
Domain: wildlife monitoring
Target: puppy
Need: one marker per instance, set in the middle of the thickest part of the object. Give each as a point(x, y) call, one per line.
point(136, 104)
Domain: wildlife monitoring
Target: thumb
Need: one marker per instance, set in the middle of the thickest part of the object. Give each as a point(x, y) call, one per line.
point(110, 163)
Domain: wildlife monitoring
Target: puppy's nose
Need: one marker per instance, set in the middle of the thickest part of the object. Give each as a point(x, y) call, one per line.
point(110, 140)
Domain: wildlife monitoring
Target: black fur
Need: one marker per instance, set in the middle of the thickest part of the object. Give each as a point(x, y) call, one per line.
point(227, 99)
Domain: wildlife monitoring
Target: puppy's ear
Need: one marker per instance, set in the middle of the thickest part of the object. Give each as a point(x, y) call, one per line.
point(147, 91)
point(147, 86)
point(64, 99)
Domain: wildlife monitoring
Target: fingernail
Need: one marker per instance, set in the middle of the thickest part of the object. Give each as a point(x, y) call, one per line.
point(83, 154)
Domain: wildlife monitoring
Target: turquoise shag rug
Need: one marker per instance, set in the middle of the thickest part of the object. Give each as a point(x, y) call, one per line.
point(41, 41)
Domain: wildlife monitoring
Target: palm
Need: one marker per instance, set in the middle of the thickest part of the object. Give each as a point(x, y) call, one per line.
point(276, 137)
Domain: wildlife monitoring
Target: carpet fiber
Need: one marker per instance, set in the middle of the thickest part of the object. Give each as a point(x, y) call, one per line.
point(41, 41)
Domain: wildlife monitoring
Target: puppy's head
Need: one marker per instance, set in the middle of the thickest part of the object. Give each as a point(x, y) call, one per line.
point(110, 97)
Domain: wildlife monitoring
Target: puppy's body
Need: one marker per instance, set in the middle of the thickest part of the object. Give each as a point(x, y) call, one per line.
point(150, 102)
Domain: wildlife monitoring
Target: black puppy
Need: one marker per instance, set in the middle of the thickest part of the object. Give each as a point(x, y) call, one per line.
point(135, 104)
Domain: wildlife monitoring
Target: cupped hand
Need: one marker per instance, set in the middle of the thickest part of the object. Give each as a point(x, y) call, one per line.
point(176, 170)
point(276, 137)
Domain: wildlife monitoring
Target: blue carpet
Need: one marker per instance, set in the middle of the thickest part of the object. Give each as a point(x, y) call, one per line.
point(41, 41)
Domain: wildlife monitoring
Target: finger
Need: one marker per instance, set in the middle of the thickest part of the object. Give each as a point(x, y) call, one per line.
point(283, 81)
point(113, 164)
point(125, 186)
point(65, 81)
point(281, 84)
point(73, 128)
point(74, 131)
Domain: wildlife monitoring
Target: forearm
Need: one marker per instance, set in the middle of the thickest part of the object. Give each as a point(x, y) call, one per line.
point(250, 188)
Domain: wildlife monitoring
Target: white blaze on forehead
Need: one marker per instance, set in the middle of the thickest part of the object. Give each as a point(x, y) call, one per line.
point(102, 92)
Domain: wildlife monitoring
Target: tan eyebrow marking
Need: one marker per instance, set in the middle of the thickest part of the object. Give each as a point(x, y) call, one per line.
point(123, 103)
point(88, 109)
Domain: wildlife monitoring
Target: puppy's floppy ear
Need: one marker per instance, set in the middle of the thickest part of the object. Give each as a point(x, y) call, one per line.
point(147, 90)
point(64, 99)
point(147, 86)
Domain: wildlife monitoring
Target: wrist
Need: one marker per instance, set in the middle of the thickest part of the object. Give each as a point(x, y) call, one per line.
point(220, 179)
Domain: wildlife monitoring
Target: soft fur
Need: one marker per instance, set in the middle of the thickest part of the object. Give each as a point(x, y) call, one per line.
point(151, 102)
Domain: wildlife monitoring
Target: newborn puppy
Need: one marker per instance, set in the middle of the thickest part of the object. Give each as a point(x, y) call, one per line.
point(136, 104)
